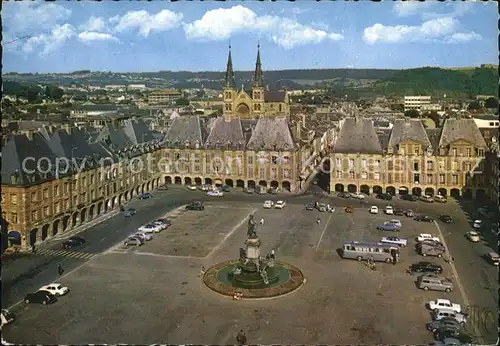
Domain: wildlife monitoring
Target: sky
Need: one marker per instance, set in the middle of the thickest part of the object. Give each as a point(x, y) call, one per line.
point(195, 36)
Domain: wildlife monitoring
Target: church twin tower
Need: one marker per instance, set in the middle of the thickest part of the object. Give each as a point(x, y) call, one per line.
point(254, 103)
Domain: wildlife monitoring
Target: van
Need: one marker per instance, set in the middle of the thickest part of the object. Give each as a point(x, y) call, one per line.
point(448, 313)
point(426, 198)
point(435, 283)
point(440, 199)
point(428, 248)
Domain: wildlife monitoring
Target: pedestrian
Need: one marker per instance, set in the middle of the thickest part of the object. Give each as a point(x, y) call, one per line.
point(272, 253)
point(261, 220)
point(241, 338)
point(60, 269)
point(33, 248)
point(318, 221)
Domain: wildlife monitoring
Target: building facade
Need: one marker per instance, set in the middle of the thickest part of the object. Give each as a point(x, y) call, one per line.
point(416, 102)
point(163, 97)
point(409, 158)
point(54, 180)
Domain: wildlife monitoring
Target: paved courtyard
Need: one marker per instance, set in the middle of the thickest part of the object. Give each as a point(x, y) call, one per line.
point(126, 297)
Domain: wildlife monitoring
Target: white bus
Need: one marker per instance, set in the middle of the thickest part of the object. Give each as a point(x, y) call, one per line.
point(362, 250)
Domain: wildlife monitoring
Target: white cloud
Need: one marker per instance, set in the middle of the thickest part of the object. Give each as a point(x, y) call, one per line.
point(49, 42)
point(146, 22)
point(221, 23)
point(88, 36)
point(27, 15)
point(436, 30)
point(94, 24)
point(411, 8)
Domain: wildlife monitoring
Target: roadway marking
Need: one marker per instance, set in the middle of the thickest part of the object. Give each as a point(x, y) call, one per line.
point(160, 255)
point(64, 253)
point(323, 233)
point(218, 246)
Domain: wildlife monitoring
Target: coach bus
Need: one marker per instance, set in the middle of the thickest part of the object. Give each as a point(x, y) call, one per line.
point(379, 252)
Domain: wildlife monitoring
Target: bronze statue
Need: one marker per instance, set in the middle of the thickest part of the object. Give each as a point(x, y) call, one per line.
point(251, 233)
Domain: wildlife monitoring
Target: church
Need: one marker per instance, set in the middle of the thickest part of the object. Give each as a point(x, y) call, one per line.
point(255, 103)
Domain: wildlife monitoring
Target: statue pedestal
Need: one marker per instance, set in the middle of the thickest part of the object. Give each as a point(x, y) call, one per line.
point(253, 248)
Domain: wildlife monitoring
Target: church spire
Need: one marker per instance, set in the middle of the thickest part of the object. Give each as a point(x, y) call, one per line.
point(229, 71)
point(258, 77)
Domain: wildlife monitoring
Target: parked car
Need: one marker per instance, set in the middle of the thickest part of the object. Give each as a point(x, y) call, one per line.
point(423, 218)
point(134, 241)
point(249, 190)
point(446, 218)
point(395, 222)
point(40, 297)
point(145, 195)
point(163, 223)
point(436, 283)
point(445, 313)
point(150, 228)
point(348, 209)
point(427, 198)
point(206, 187)
point(373, 209)
point(440, 199)
point(268, 205)
point(344, 195)
point(408, 197)
point(324, 207)
point(192, 187)
point(443, 304)
point(473, 236)
point(384, 196)
point(389, 210)
point(280, 205)
point(215, 193)
point(426, 236)
point(55, 289)
point(478, 224)
point(163, 188)
point(272, 191)
point(402, 242)
point(226, 188)
point(195, 205)
point(72, 242)
point(357, 195)
point(309, 206)
point(493, 258)
point(425, 267)
point(409, 213)
point(128, 212)
point(430, 248)
point(399, 211)
point(388, 227)
point(446, 322)
point(142, 236)
point(7, 317)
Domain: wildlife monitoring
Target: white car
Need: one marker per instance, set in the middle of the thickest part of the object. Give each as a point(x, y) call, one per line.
point(192, 187)
point(357, 195)
point(280, 205)
point(394, 240)
point(268, 204)
point(160, 224)
point(394, 222)
point(55, 289)
point(473, 236)
point(374, 209)
point(142, 235)
point(425, 236)
point(150, 228)
point(215, 193)
point(478, 224)
point(206, 187)
point(389, 210)
point(444, 304)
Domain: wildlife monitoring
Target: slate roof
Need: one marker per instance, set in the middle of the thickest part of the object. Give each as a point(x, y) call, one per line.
point(186, 128)
point(96, 107)
point(274, 96)
point(383, 137)
point(434, 135)
point(137, 131)
point(225, 132)
point(271, 134)
point(408, 129)
point(465, 129)
point(357, 135)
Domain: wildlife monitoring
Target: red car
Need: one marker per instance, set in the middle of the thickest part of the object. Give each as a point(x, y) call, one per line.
point(348, 209)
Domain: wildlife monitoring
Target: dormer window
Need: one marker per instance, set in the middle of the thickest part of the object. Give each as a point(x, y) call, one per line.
point(197, 144)
point(389, 150)
point(186, 143)
point(217, 145)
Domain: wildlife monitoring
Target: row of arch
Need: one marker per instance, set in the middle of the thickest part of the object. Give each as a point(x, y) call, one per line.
point(77, 218)
point(285, 185)
point(417, 191)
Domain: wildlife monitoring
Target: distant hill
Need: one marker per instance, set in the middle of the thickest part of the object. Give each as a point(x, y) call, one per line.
point(427, 80)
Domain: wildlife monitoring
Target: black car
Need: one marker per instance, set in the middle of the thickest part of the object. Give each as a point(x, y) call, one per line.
point(310, 206)
point(446, 218)
point(73, 241)
point(385, 196)
point(423, 218)
point(272, 191)
point(344, 195)
point(399, 211)
point(249, 190)
point(40, 297)
point(128, 212)
point(163, 188)
point(426, 267)
point(411, 198)
point(226, 188)
point(195, 205)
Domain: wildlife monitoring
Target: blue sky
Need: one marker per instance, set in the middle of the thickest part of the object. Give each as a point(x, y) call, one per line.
point(194, 36)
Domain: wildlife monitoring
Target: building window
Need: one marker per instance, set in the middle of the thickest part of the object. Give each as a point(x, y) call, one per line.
point(45, 193)
point(480, 152)
point(376, 175)
point(454, 151)
point(339, 162)
point(33, 197)
point(250, 160)
point(416, 178)
point(84, 197)
point(454, 165)
point(442, 179)
point(286, 173)
point(364, 163)
point(467, 166)
point(469, 152)
point(34, 215)
point(84, 181)
point(415, 166)
point(389, 178)
point(351, 163)
point(339, 174)
point(377, 163)
point(430, 165)
point(274, 160)
point(262, 173)
point(197, 168)
point(351, 175)
point(13, 199)
point(454, 179)
point(13, 217)
point(429, 179)
point(250, 172)
point(46, 211)
point(56, 190)
point(416, 150)
point(390, 165)
point(364, 175)
point(285, 159)
point(57, 207)
point(274, 173)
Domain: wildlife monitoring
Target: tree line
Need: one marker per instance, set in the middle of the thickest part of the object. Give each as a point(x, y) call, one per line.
point(33, 93)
